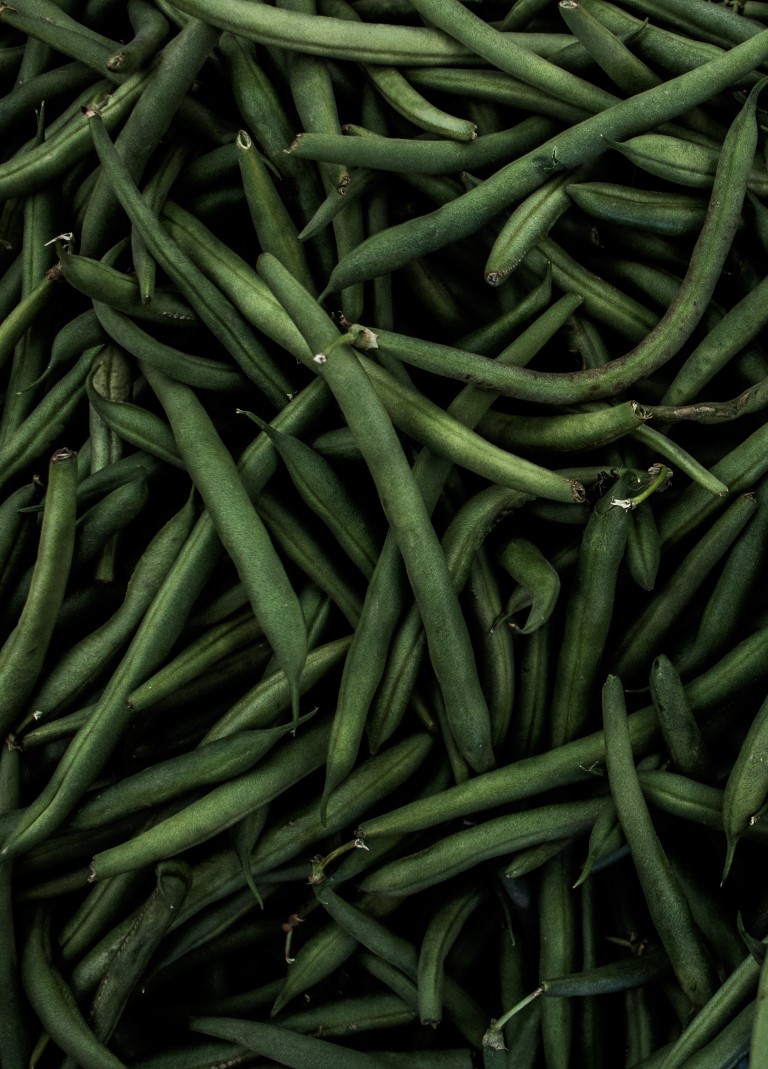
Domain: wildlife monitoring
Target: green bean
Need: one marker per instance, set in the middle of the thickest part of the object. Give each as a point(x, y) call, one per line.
point(495, 647)
point(266, 120)
point(53, 27)
point(588, 620)
point(274, 227)
point(678, 726)
point(531, 859)
point(528, 224)
point(500, 331)
point(236, 280)
point(666, 902)
point(529, 723)
point(12, 521)
point(724, 612)
point(295, 539)
point(313, 95)
point(565, 433)
point(99, 911)
point(24, 315)
point(109, 286)
point(327, 496)
point(213, 471)
point(718, 23)
point(528, 566)
point(581, 144)
point(232, 636)
point(132, 423)
point(216, 931)
point(457, 853)
point(677, 456)
point(441, 933)
point(557, 953)
point(288, 1047)
point(601, 298)
point(417, 541)
point(421, 156)
point(713, 917)
point(735, 330)
point(133, 954)
point(104, 520)
point(495, 87)
point(401, 96)
point(461, 1009)
point(747, 786)
point(739, 469)
point(217, 810)
point(359, 183)
point(14, 1038)
point(215, 311)
point(604, 838)
point(150, 31)
point(54, 1003)
point(502, 53)
point(350, 1016)
point(22, 656)
point(463, 538)
point(423, 420)
point(730, 1046)
point(325, 951)
point(331, 37)
point(617, 976)
point(642, 638)
point(198, 371)
point(665, 213)
point(714, 1015)
point(679, 161)
point(37, 263)
point(371, 781)
point(624, 69)
point(214, 763)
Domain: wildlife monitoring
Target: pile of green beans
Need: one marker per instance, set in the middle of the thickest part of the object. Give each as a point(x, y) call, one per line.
point(383, 525)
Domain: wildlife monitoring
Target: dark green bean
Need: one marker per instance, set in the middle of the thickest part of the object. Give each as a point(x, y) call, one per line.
point(457, 853)
point(678, 726)
point(661, 212)
point(132, 956)
point(666, 902)
point(213, 471)
point(288, 1047)
point(150, 31)
point(22, 656)
point(55, 1004)
point(421, 156)
point(103, 283)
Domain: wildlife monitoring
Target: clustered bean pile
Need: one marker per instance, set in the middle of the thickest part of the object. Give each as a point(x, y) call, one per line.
point(383, 509)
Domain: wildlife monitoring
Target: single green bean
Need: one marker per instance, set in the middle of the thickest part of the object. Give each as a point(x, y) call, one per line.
point(213, 471)
point(23, 654)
